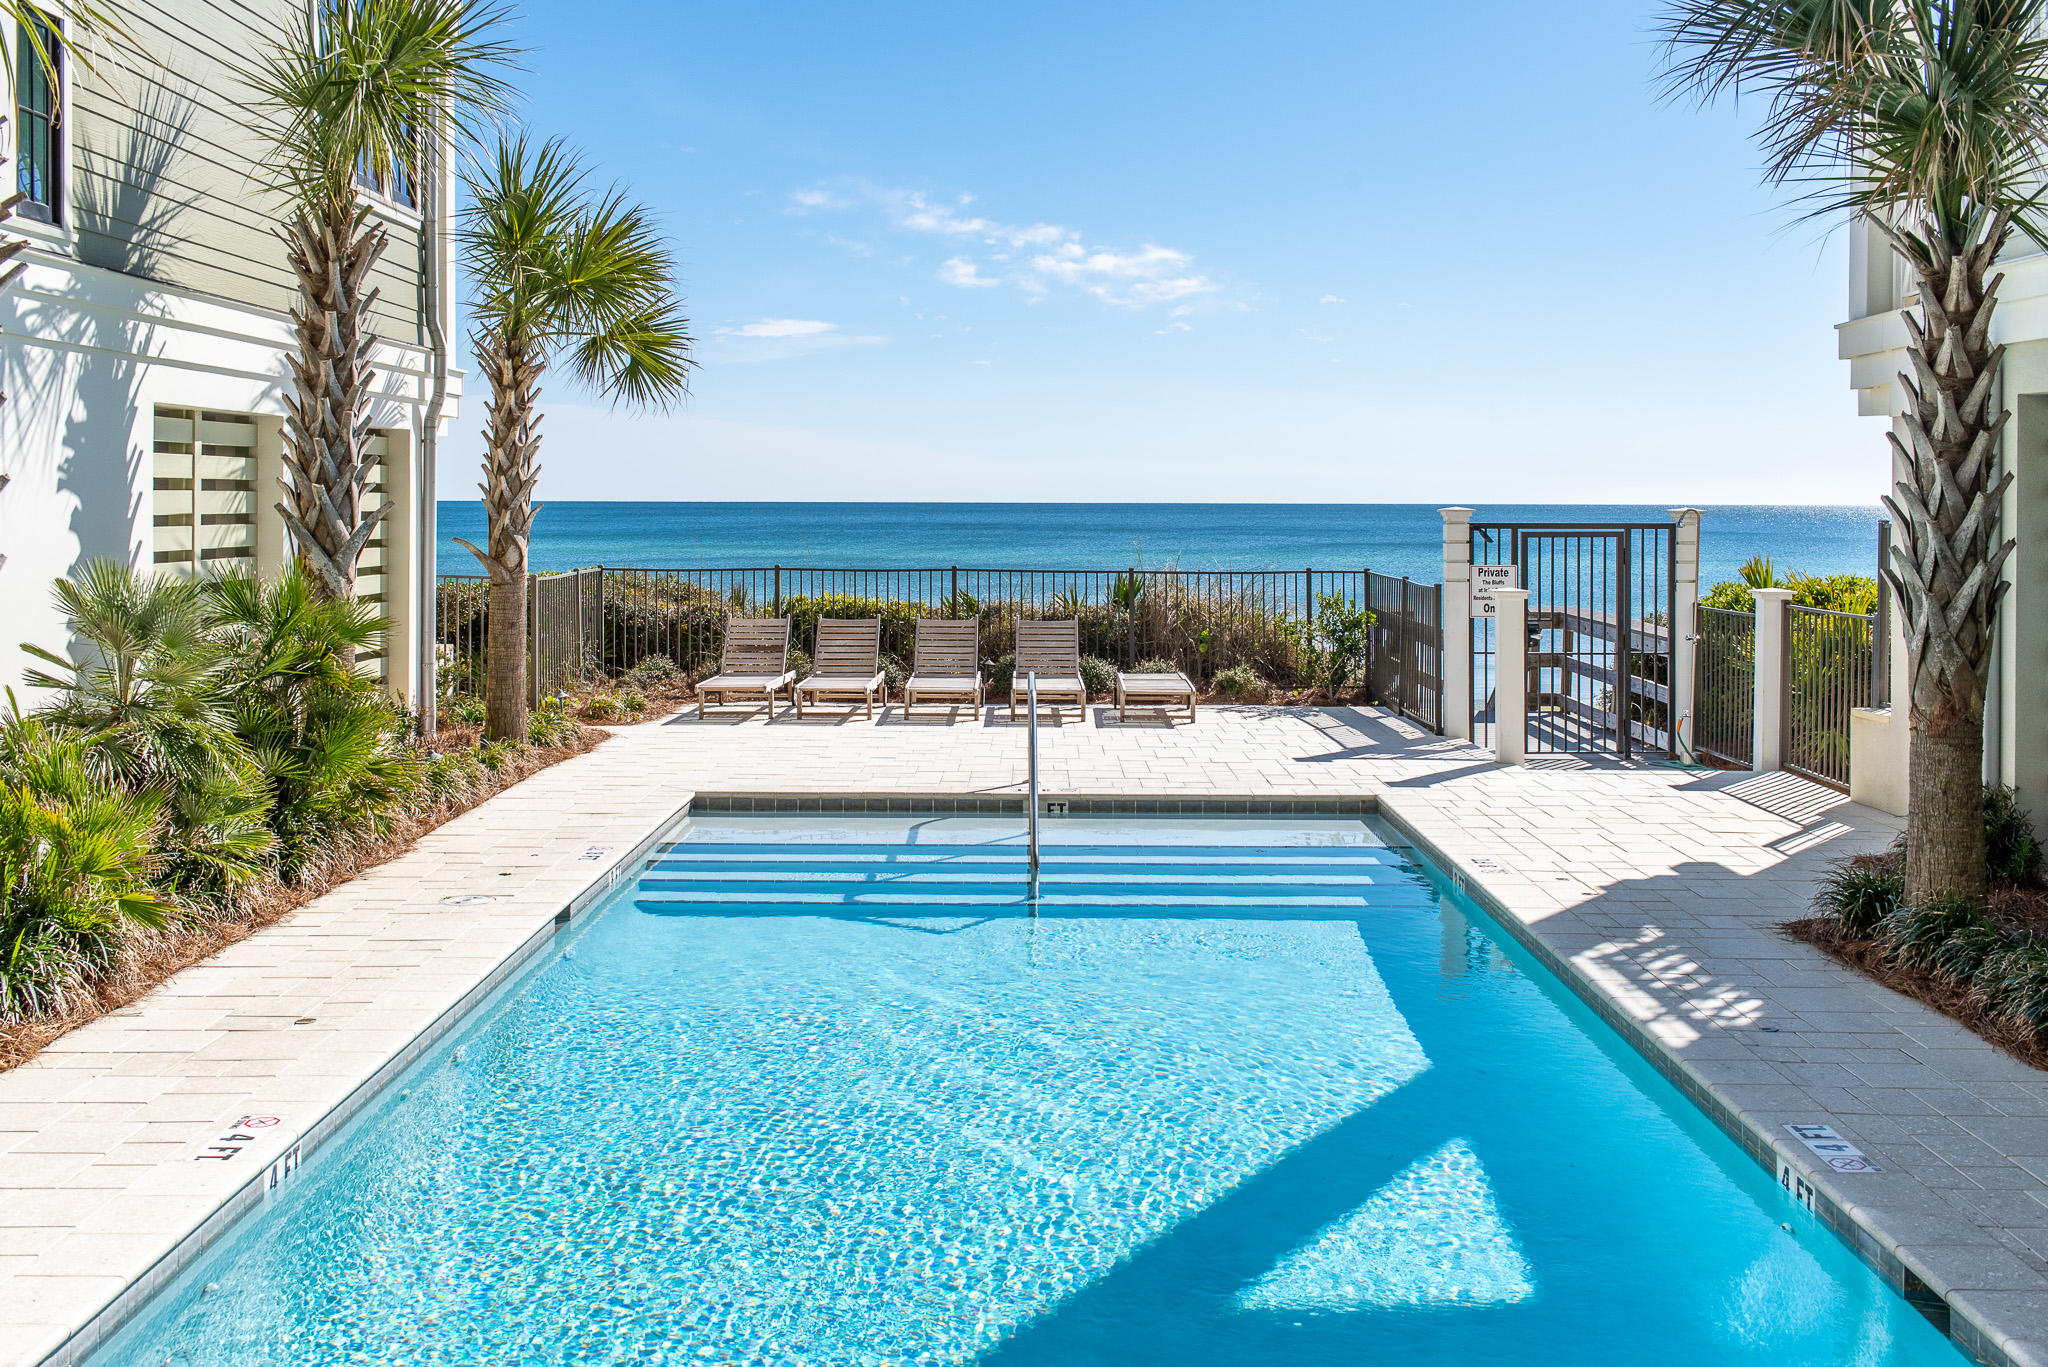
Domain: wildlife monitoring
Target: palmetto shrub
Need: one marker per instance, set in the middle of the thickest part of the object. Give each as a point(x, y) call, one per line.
point(331, 748)
point(77, 859)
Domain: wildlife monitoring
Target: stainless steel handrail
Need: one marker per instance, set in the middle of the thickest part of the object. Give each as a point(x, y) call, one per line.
point(1031, 821)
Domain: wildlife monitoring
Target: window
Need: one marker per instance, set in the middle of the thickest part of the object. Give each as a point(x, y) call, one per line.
point(396, 187)
point(38, 119)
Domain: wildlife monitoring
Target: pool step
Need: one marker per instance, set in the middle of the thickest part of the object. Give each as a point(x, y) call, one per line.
point(722, 879)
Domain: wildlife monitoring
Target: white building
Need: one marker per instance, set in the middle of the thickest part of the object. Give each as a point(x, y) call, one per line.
point(1873, 341)
point(143, 350)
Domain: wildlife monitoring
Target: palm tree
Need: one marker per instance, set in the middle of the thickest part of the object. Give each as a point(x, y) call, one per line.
point(347, 98)
point(554, 267)
point(1928, 119)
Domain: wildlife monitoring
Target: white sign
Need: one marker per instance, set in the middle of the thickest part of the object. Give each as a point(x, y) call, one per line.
point(1485, 579)
point(1836, 1151)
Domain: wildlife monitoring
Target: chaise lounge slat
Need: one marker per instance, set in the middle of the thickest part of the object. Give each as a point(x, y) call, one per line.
point(846, 665)
point(755, 661)
point(946, 665)
point(1053, 651)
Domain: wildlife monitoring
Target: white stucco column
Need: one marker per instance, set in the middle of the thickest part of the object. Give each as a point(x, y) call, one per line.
point(1685, 628)
point(1511, 675)
point(1457, 624)
point(1768, 741)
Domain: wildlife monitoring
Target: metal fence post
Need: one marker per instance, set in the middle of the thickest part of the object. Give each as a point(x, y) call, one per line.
point(953, 603)
point(1401, 654)
point(1881, 629)
point(778, 592)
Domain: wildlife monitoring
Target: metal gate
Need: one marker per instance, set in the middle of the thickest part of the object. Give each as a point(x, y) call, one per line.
point(1599, 648)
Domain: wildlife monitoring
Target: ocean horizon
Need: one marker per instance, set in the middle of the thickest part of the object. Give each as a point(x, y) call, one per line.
point(1392, 538)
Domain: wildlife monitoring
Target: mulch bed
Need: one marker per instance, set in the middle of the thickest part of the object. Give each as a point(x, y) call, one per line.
point(2014, 908)
point(272, 902)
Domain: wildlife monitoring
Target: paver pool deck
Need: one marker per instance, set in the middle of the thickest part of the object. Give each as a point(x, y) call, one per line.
point(1657, 889)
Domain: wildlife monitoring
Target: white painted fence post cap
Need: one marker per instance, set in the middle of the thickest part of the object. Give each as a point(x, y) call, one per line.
point(1456, 514)
point(1772, 595)
point(1511, 595)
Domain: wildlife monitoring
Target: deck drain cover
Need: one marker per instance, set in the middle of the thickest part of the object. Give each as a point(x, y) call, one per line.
point(467, 899)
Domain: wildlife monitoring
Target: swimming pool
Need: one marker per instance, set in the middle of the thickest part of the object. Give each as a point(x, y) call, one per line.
point(824, 1091)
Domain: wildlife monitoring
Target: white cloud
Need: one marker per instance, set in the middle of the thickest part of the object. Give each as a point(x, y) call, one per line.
point(1033, 256)
point(1151, 275)
point(775, 339)
point(960, 271)
point(781, 327)
point(1330, 299)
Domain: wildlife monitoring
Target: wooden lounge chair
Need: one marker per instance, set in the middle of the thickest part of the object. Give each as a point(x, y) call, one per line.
point(946, 664)
point(847, 664)
point(1153, 690)
point(755, 663)
point(1053, 649)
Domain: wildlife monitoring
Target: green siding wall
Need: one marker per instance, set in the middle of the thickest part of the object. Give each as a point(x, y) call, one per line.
point(163, 162)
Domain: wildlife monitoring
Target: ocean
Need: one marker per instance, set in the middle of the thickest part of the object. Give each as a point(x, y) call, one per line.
point(1392, 538)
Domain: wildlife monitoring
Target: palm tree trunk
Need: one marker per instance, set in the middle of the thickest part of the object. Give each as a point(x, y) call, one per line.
point(512, 440)
point(326, 426)
point(1945, 567)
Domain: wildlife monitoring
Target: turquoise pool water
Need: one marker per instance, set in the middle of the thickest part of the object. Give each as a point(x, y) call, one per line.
point(821, 1091)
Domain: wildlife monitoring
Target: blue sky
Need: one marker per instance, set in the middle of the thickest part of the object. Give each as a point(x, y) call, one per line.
point(1294, 252)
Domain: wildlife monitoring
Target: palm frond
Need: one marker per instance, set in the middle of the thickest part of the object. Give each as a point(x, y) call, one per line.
point(355, 84)
point(1881, 106)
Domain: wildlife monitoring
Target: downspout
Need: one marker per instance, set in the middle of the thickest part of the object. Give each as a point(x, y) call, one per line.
point(427, 557)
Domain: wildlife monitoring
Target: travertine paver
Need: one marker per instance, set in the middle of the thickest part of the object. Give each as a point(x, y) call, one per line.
point(1661, 886)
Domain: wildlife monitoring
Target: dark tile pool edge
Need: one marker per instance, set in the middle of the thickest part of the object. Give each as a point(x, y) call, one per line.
point(1976, 1339)
point(1012, 804)
point(112, 1317)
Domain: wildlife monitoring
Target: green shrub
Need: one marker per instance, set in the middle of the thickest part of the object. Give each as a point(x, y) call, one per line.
point(1836, 592)
point(1098, 676)
point(1345, 631)
point(894, 673)
point(1241, 683)
point(800, 662)
point(1918, 937)
point(1155, 665)
point(603, 707)
point(1730, 596)
point(464, 709)
point(652, 674)
point(633, 700)
point(551, 724)
point(2011, 853)
point(452, 776)
point(2013, 985)
point(1859, 893)
point(1001, 673)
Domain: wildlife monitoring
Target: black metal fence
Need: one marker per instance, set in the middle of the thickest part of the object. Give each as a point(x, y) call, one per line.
point(1724, 707)
point(1830, 666)
point(1287, 626)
